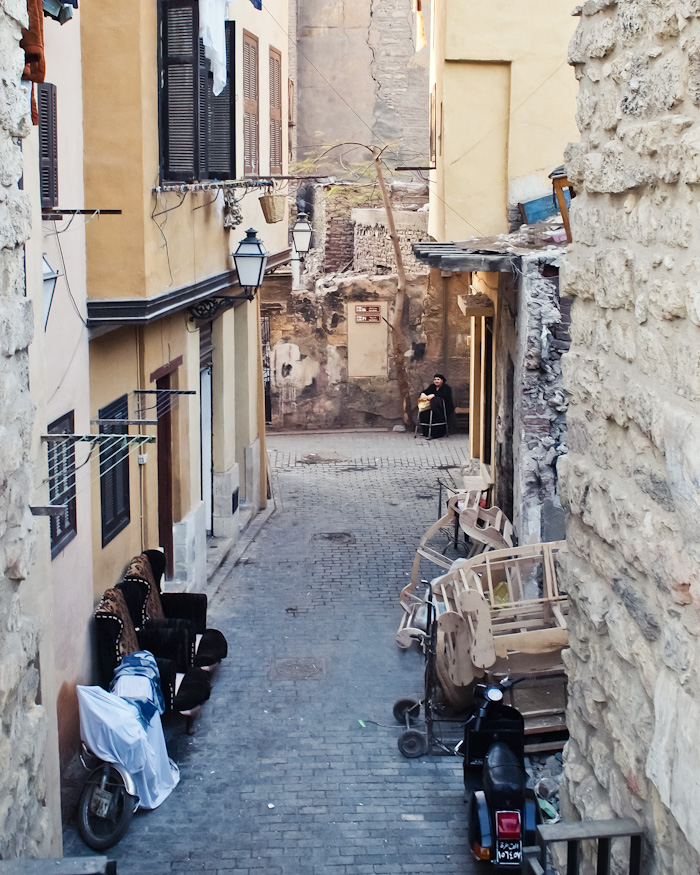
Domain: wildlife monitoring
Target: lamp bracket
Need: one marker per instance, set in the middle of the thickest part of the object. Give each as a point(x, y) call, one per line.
point(208, 308)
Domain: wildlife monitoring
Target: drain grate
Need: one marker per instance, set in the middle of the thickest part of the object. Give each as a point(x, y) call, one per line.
point(305, 668)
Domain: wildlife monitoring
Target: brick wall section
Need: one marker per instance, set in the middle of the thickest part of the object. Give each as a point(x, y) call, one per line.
point(24, 822)
point(373, 249)
point(632, 475)
point(334, 233)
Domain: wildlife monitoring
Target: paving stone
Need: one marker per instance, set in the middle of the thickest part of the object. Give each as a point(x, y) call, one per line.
point(345, 801)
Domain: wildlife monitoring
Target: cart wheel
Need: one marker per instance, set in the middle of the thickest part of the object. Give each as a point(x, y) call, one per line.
point(404, 708)
point(413, 743)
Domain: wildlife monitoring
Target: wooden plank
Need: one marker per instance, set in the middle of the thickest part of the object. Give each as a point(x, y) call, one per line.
point(538, 641)
point(579, 830)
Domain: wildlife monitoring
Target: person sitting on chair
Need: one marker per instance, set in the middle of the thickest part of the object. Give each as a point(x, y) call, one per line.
point(440, 409)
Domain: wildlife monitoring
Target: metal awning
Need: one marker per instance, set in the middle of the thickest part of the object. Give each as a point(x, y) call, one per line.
point(454, 258)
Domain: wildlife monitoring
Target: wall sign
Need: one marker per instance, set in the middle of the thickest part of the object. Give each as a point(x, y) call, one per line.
point(368, 313)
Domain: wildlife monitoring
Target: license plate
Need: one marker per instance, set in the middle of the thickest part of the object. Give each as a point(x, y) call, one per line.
point(101, 801)
point(508, 851)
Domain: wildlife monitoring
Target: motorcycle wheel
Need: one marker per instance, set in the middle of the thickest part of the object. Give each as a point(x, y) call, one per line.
point(103, 821)
point(413, 743)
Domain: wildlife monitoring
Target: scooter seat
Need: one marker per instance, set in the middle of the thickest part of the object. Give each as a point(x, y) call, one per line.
point(503, 772)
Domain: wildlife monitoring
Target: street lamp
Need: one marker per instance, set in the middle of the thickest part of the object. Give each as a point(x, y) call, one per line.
point(301, 235)
point(250, 259)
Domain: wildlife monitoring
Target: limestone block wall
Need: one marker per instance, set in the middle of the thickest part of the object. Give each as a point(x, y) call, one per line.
point(632, 475)
point(26, 827)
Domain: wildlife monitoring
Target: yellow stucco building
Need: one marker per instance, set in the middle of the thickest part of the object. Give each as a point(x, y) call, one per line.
point(502, 112)
point(147, 352)
point(186, 168)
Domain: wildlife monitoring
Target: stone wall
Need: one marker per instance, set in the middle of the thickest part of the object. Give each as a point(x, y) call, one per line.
point(540, 402)
point(331, 206)
point(632, 475)
point(26, 827)
point(373, 251)
point(360, 80)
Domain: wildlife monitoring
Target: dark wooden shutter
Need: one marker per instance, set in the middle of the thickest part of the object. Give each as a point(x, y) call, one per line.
point(250, 104)
point(221, 120)
point(275, 111)
point(114, 472)
point(182, 91)
point(48, 144)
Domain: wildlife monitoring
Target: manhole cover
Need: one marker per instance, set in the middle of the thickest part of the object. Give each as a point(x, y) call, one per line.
point(336, 537)
point(302, 669)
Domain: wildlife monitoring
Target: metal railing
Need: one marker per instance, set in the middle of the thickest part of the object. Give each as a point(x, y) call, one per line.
point(600, 831)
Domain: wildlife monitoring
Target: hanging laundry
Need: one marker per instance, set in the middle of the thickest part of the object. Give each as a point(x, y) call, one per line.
point(33, 44)
point(212, 31)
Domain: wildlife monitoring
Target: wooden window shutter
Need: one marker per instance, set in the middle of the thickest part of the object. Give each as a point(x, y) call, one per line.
point(221, 116)
point(48, 144)
point(114, 472)
point(182, 94)
point(275, 111)
point(250, 104)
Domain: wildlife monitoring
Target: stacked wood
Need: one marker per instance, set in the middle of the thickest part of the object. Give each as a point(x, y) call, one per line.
point(487, 529)
point(501, 610)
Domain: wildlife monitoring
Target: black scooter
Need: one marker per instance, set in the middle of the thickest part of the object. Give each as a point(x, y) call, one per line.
point(503, 813)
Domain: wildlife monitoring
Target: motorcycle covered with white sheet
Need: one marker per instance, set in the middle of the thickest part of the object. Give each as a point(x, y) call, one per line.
point(127, 759)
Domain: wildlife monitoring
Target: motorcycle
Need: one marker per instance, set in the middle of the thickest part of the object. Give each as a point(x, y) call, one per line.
point(107, 802)
point(123, 748)
point(503, 813)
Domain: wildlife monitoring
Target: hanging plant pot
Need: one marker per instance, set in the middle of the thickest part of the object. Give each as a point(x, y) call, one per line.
point(273, 207)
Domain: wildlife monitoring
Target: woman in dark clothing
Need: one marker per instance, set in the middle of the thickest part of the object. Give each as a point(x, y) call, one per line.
point(438, 394)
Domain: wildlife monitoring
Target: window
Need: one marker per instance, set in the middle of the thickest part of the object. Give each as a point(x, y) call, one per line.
point(197, 128)
point(275, 111)
point(62, 484)
point(114, 472)
point(48, 144)
point(251, 162)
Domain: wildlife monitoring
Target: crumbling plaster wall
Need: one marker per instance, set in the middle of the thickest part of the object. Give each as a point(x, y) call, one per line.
point(28, 825)
point(539, 410)
point(360, 80)
point(310, 384)
point(632, 475)
point(530, 433)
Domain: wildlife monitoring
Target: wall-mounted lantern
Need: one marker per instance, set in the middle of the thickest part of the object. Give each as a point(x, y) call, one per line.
point(250, 259)
point(301, 235)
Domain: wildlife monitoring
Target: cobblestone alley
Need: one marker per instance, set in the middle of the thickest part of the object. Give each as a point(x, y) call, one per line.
point(281, 778)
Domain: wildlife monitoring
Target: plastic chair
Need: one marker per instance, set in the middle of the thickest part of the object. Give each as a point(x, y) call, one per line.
point(436, 419)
